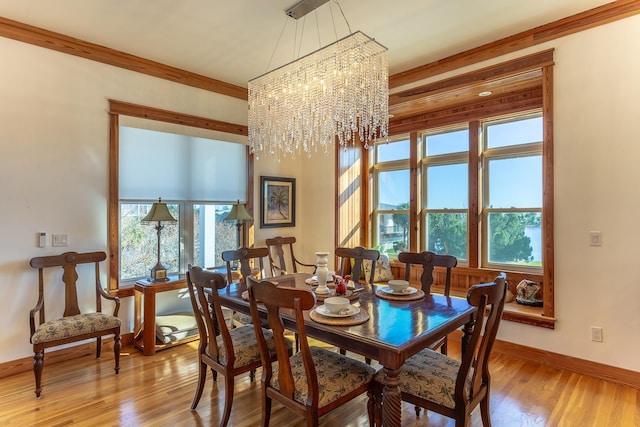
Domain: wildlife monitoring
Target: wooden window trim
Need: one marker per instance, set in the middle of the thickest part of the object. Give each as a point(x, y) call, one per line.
point(118, 108)
point(540, 99)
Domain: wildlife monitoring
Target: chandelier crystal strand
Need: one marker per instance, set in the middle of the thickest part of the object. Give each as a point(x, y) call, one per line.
point(338, 91)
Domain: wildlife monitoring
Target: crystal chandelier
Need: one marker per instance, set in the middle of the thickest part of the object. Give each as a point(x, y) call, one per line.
point(339, 91)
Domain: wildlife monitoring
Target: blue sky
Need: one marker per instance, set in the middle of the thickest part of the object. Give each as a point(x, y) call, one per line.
point(514, 182)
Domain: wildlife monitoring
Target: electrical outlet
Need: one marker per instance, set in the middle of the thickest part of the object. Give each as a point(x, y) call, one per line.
point(594, 238)
point(596, 334)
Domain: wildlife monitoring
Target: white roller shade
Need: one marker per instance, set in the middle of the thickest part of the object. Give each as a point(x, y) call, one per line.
point(179, 167)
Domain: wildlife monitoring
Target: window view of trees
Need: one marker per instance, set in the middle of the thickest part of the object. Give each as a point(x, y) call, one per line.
point(210, 235)
point(509, 241)
point(447, 234)
point(138, 242)
point(512, 192)
point(401, 221)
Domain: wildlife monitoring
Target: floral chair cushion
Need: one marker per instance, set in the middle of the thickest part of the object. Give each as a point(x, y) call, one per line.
point(240, 319)
point(429, 375)
point(73, 326)
point(337, 375)
point(245, 345)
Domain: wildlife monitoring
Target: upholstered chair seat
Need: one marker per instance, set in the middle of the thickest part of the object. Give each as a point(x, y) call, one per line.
point(240, 319)
point(225, 350)
point(429, 375)
point(312, 382)
point(337, 375)
point(450, 387)
point(74, 326)
point(245, 346)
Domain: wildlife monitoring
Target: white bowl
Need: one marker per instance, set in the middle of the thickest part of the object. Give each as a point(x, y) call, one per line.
point(336, 304)
point(398, 285)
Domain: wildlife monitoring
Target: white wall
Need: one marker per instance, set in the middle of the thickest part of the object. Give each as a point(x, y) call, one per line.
point(55, 140)
point(596, 189)
point(315, 183)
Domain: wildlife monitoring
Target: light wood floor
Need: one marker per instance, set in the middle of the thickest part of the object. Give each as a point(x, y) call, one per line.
point(157, 391)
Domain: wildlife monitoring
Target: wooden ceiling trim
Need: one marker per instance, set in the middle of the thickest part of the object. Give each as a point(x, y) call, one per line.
point(72, 46)
point(524, 100)
point(582, 21)
point(150, 113)
point(495, 72)
point(449, 99)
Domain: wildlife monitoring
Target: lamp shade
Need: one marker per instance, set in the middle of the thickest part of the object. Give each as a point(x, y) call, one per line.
point(158, 212)
point(239, 213)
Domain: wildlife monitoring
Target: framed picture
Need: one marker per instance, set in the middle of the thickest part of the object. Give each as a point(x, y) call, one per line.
point(277, 202)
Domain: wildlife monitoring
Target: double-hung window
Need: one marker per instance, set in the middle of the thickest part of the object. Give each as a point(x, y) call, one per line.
point(391, 196)
point(507, 194)
point(512, 192)
point(445, 191)
point(198, 178)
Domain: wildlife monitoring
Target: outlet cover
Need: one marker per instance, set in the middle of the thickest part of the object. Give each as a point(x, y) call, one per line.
point(596, 334)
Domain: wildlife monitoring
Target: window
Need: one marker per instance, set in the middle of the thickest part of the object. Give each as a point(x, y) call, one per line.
point(509, 194)
point(391, 203)
point(445, 191)
point(145, 166)
point(205, 234)
point(204, 178)
point(512, 192)
point(480, 175)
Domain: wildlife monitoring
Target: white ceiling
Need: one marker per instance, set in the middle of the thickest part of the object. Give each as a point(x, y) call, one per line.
point(233, 40)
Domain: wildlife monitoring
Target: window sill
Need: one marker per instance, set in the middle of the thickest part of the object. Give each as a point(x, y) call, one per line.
point(464, 277)
point(529, 315)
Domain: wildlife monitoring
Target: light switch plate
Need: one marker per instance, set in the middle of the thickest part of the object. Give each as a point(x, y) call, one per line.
point(60, 240)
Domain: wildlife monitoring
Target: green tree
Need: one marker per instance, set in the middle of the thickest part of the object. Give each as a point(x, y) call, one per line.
point(508, 242)
point(448, 234)
point(402, 220)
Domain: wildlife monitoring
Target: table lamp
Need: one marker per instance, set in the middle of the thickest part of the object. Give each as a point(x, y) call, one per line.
point(159, 213)
point(240, 215)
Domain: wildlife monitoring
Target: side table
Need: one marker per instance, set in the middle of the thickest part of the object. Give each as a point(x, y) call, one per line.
point(145, 329)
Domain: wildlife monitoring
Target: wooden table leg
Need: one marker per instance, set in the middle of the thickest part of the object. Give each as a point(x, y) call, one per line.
point(149, 328)
point(391, 399)
point(137, 315)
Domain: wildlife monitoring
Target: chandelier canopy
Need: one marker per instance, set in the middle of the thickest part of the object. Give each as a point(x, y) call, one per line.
point(339, 91)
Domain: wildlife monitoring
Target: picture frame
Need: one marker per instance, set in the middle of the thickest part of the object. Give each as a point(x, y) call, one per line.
point(277, 202)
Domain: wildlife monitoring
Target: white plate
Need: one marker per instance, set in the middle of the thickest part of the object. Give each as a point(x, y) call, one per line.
point(408, 291)
point(313, 280)
point(351, 310)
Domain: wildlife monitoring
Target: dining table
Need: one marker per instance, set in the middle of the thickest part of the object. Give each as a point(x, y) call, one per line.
point(395, 329)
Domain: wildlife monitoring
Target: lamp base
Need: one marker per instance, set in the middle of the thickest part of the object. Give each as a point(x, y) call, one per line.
point(159, 273)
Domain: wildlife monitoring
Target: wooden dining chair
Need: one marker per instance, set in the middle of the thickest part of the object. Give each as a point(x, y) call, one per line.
point(351, 262)
point(248, 259)
point(429, 260)
point(74, 325)
point(453, 388)
point(313, 381)
point(279, 247)
point(251, 261)
point(230, 352)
